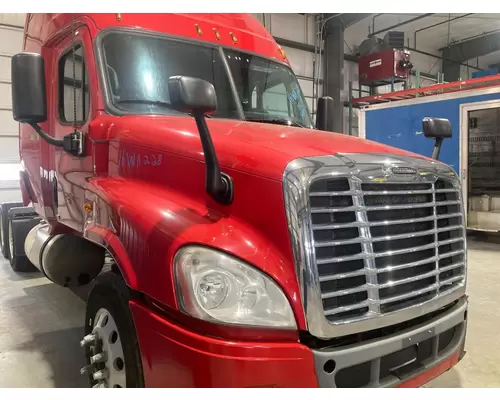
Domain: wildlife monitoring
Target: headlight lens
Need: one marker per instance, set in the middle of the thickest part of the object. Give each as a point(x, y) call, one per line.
point(217, 287)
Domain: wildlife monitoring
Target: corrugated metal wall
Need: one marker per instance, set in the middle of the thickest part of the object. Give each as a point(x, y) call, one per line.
point(11, 36)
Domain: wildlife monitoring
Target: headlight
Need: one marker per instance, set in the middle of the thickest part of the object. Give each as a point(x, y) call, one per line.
point(216, 287)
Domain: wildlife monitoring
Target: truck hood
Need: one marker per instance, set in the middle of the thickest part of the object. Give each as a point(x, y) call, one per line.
point(257, 148)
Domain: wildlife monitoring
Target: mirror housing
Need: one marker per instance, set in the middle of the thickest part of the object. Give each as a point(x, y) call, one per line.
point(192, 95)
point(324, 114)
point(197, 97)
point(438, 129)
point(29, 103)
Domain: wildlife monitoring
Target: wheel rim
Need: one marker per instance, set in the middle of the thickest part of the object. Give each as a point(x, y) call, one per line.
point(107, 361)
point(11, 241)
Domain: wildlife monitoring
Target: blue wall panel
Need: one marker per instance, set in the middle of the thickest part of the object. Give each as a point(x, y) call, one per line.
point(401, 126)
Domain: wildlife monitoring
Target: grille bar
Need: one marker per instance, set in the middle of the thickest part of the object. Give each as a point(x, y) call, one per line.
point(392, 283)
point(408, 265)
point(451, 267)
point(385, 192)
point(450, 280)
point(379, 208)
point(359, 272)
point(341, 242)
point(411, 279)
point(405, 250)
point(360, 256)
point(370, 263)
point(384, 238)
point(360, 192)
point(365, 271)
point(381, 223)
point(343, 309)
point(368, 303)
point(451, 254)
point(408, 295)
point(449, 241)
point(337, 293)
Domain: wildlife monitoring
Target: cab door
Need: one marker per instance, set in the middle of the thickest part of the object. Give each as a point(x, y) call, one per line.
point(74, 91)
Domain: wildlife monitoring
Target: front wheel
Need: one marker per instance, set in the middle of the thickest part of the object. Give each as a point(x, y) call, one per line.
point(111, 347)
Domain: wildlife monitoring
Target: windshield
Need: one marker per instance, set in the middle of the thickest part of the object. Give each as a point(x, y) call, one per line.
point(138, 67)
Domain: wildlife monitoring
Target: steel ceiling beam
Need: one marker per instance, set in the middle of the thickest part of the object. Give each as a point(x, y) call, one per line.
point(477, 46)
point(408, 21)
point(349, 19)
point(307, 47)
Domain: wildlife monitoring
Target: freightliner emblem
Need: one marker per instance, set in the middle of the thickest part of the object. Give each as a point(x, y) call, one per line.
point(403, 171)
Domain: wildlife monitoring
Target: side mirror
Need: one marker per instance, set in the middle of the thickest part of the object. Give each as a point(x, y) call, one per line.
point(192, 95)
point(29, 104)
point(438, 129)
point(324, 114)
point(197, 97)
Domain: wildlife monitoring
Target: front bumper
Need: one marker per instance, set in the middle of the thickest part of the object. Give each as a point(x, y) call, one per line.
point(397, 359)
point(175, 357)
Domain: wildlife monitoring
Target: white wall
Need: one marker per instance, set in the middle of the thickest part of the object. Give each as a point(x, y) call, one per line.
point(11, 36)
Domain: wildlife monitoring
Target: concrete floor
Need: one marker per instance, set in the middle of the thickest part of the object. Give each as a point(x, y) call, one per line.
point(41, 325)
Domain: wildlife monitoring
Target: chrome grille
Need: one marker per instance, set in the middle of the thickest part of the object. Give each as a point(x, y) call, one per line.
point(384, 247)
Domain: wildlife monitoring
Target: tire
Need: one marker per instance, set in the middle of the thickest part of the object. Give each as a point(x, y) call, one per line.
point(110, 293)
point(16, 235)
point(4, 226)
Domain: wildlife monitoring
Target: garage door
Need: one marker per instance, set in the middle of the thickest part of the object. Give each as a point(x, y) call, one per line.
point(11, 39)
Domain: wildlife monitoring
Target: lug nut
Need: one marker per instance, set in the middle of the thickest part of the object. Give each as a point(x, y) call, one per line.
point(89, 340)
point(87, 370)
point(100, 357)
point(102, 374)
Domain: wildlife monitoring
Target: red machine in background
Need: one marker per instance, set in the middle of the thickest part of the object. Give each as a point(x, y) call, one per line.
point(384, 61)
point(385, 67)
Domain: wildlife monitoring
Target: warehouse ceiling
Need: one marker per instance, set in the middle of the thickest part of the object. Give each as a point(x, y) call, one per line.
point(470, 37)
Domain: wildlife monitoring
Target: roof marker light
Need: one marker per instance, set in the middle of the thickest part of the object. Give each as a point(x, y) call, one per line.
point(282, 52)
point(198, 29)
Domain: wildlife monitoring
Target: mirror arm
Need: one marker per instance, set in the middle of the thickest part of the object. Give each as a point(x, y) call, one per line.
point(218, 185)
point(73, 143)
point(47, 138)
point(437, 148)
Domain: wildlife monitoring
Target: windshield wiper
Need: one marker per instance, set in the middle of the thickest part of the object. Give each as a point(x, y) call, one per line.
point(279, 121)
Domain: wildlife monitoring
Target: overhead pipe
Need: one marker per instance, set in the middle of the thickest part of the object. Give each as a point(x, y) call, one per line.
point(373, 22)
point(401, 24)
point(442, 58)
point(307, 47)
point(434, 25)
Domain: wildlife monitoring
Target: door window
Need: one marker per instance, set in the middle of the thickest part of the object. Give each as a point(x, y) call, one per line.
point(74, 97)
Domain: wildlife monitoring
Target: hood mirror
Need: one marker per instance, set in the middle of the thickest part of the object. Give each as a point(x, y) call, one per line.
point(197, 97)
point(438, 129)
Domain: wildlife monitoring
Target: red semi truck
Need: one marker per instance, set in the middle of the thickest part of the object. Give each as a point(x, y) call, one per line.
point(249, 247)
